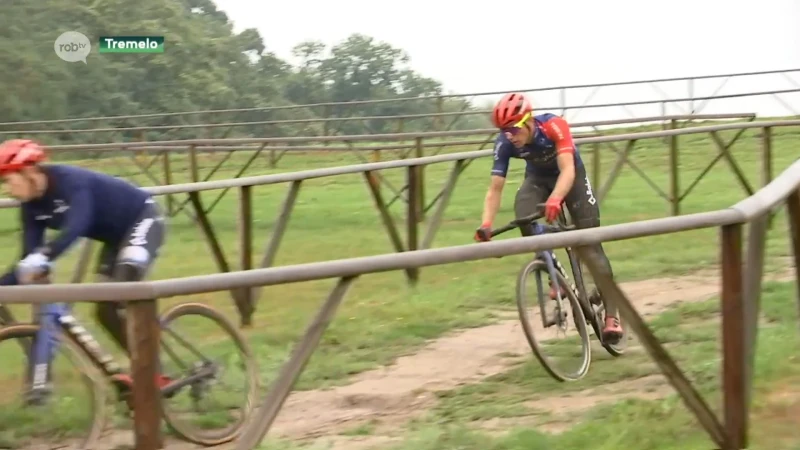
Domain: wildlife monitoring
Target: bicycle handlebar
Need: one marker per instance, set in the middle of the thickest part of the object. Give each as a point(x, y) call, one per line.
point(526, 220)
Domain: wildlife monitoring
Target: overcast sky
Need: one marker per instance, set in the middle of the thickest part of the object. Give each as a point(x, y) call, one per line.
point(470, 46)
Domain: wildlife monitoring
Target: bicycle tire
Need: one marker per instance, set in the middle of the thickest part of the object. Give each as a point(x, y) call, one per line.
point(203, 437)
point(578, 318)
point(90, 375)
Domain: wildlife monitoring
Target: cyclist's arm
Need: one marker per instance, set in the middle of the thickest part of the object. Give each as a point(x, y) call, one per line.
point(494, 194)
point(558, 131)
point(32, 237)
point(77, 220)
point(9, 278)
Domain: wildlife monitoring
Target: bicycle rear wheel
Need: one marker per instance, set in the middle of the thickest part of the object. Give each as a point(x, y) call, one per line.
point(201, 372)
point(539, 269)
point(66, 416)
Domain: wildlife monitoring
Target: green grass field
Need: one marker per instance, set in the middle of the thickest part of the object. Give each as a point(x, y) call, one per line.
point(383, 318)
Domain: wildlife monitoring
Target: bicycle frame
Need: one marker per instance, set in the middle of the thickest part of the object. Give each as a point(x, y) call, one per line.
point(58, 315)
point(194, 375)
point(586, 304)
point(549, 256)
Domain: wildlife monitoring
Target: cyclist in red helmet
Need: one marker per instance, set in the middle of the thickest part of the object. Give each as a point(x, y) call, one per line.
point(554, 175)
point(81, 203)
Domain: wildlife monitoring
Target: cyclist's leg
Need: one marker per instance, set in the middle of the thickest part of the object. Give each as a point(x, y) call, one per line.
point(133, 258)
point(533, 191)
point(582, 206)
point(108, 313)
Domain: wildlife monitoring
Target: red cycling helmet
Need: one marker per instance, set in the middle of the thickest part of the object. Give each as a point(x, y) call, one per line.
point(18, 153)
point(510, 109)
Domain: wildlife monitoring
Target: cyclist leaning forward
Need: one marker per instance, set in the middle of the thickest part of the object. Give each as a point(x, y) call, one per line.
point(81, 203)
point(553, 165)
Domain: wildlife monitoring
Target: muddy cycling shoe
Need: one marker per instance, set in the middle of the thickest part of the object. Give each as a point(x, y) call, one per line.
point(612, 333)
point(124, 384)
point(126, 380)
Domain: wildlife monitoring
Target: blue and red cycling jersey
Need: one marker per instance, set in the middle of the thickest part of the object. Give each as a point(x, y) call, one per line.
point(551, 136)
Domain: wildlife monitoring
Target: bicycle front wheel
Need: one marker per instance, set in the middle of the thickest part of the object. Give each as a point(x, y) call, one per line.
point(565, 360)
point(212, 393)
point(71, 411)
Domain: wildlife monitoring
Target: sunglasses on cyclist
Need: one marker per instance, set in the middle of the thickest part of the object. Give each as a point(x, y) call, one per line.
point(517, 127)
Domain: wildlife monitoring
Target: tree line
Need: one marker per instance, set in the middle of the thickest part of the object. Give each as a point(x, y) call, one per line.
point(205, 66)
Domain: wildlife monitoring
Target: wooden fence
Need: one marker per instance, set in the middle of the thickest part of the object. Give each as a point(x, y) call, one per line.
point(742, 275)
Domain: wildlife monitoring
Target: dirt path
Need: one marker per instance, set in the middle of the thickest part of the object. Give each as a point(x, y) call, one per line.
point(394, 394)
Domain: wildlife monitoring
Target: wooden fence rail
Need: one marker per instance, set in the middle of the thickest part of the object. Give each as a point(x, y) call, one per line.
point(740, 296)
point(403, 144)
point(246, 299)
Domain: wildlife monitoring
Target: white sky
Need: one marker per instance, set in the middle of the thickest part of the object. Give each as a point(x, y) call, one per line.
point(470, 46)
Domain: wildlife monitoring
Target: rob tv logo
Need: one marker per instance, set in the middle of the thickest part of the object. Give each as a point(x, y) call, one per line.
point(72, 46)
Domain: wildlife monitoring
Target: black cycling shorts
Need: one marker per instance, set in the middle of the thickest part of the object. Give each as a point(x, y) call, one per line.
point(140, 245)
point(580, 200)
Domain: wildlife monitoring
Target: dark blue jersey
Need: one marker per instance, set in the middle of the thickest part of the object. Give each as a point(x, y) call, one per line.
point(79, 203)
point(551, 136)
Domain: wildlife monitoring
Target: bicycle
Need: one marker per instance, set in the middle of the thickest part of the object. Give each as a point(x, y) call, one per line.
point(55, 321)
point(586, 309)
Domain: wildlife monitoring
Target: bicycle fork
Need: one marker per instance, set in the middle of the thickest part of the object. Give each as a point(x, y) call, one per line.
point(554, 267)
point(44, 347)
point(46, 342)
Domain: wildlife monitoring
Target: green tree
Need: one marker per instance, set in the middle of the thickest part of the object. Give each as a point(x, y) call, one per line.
point(206, 66)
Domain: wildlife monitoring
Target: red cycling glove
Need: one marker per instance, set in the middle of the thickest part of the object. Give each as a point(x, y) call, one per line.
point(552, 208)
point(484, 230)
